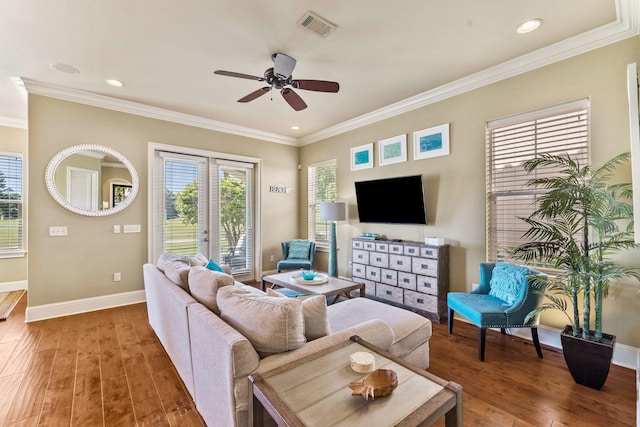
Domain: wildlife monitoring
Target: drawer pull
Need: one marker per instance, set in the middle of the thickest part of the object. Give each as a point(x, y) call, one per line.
point(406, 280)
point(379, 259)
point(389, 276)
point(373, 273)
point(420, 301)
point(427, 285)
point(412, 251)
point(424, 266)
point(429, 252)
point(387, 292)
point(399, 262)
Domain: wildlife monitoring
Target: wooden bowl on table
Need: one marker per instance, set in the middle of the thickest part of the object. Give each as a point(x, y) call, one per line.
point(378, 383)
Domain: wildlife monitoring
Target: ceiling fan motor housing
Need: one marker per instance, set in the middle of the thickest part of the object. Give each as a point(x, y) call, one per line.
point(274, 80)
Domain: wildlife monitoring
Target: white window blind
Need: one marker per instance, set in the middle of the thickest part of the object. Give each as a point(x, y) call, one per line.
point(322, 188)
point(557, 130)
point(11, 221)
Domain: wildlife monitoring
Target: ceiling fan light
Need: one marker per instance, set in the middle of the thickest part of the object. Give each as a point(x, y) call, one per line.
point(529, 25)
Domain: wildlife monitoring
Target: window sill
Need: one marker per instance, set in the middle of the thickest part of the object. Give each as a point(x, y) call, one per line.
point(14, 254)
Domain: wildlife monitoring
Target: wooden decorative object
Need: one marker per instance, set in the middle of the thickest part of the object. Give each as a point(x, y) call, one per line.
point(380, 382)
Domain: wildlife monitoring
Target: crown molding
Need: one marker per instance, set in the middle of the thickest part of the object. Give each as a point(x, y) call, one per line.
point(107, 102)
point(13, 123)
point(624, 27)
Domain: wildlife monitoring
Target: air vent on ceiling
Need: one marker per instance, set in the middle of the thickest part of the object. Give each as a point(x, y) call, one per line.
point(317, 24)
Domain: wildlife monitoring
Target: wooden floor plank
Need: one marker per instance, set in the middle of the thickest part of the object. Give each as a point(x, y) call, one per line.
point(9, 385)
point(30, 396)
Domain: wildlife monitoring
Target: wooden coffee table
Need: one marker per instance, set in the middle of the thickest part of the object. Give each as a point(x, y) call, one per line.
point(314, 391)
point(333, 287)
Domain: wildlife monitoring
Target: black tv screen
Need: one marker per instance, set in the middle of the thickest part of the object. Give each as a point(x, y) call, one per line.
point(391, 200)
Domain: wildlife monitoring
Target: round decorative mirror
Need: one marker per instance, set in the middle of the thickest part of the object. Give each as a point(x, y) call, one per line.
point(92, 180)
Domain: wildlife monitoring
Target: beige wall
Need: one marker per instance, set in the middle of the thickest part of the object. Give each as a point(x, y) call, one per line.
point(14, 140)
point(455, 184)
point(81, 264)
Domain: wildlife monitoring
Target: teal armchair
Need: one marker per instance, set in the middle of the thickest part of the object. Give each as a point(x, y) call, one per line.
point(296, 255)
point(503, 299)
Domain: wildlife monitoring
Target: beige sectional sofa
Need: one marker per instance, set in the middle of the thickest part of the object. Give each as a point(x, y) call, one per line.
point(191, 311)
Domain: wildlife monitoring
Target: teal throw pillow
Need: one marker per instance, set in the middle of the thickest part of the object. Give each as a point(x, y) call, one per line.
point(299, 249)
point(507, 280)
point(212, 265)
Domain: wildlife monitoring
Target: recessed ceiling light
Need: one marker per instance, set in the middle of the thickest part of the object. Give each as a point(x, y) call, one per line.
point(116, 83)
point(530, 25)
point(64, 68)
point(295, 127)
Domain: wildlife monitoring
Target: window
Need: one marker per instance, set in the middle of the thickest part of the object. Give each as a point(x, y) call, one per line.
point(11, 241)
point(322, 188)
point(510, 142)
point(203, 204)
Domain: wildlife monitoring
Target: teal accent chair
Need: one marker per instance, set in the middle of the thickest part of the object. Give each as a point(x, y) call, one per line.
point(487, 311)
point(287, 263)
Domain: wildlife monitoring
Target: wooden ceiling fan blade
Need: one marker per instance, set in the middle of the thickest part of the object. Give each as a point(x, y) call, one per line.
point(255, 94)
point(316, 85)
point(293, 99)
point(283, 65)
point(240, 75)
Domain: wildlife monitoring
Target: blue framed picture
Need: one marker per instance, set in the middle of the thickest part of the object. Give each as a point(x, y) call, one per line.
point(362, 157)
point(432, 142)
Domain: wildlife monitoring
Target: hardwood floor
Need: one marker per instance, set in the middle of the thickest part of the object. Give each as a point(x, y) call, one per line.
point(108, 368)
point(100, 368)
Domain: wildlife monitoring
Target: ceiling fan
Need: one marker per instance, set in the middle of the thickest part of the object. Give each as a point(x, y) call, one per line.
point(279, 77)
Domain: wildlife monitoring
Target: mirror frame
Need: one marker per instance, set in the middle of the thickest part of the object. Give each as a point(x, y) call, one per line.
point(75, 149)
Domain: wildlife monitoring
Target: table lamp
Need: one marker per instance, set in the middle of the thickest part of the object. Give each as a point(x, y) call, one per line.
point(333, 211)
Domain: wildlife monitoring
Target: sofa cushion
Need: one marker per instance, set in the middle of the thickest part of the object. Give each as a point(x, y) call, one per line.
point(271, 324)
point(197, 260)
point(204, 284)
point(314, 310)
point(175, 269)
point(411, 330)
point(507, 280)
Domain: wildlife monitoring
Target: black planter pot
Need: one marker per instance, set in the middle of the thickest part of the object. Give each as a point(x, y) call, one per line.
point(588, 361)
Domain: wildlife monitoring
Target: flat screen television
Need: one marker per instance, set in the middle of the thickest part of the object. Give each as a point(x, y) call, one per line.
point(397, 200)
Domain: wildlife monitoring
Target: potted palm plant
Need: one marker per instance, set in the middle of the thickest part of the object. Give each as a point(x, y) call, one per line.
point(582, 219)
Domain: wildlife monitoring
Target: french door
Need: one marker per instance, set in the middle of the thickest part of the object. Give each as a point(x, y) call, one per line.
point(204, 205)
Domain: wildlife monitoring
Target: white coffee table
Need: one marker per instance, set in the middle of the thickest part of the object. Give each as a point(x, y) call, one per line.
point(334, 286)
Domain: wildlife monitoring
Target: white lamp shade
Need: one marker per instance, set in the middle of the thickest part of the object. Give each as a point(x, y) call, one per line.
point(333, 211)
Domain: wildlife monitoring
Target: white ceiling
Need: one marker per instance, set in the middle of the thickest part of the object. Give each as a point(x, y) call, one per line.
point(387, 56)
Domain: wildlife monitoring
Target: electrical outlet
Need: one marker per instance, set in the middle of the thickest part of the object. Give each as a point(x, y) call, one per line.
point(117, 277)
point(116, 229)
point(272, 258)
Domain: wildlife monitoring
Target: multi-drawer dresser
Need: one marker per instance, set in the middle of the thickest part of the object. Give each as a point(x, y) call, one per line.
point(409, 274)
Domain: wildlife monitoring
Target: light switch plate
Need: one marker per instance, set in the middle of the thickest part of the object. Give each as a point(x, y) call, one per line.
point(58, 231)
point(132, 228)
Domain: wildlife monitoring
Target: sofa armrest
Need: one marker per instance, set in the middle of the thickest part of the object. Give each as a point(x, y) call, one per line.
point(375, 332)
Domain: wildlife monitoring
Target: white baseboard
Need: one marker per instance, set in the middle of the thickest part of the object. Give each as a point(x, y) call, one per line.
point(623, 355)
point(66, 308)
point(13, 286)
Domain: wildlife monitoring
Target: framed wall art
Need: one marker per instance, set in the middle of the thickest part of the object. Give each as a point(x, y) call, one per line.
point(432, 142)
point(362, 157)
point(392, 150)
